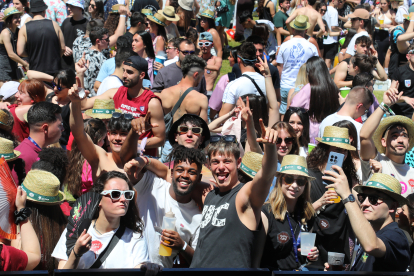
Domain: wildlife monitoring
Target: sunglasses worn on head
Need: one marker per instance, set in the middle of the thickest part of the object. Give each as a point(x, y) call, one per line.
point(206, 44)
point(287, 140)
point(296, 109)
point(195, 130)
point(59, 88)
point(225, 138)
point(373, 199)
point(126, 116)
point(116, 194)
point(300, 180)
point(187, 52)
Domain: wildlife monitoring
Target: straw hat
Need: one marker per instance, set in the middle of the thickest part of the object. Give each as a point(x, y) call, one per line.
point(386, 184)
point(116, 7)
point(6, 120)
point(10, 11)
point(300, 23)
point(207, 13)
point(389, 121)
point(7, 150)
point(294, 164)
point(186, 4)
point(102, 109)
point(251, 163)
point(146, 12)
point(169, 13)
point(43, 187)
point(337, 137)
point(157, 18)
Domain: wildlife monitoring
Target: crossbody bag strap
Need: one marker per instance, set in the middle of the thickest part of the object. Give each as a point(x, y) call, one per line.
point(255, 84)
point(115, 239)
point(180, 100)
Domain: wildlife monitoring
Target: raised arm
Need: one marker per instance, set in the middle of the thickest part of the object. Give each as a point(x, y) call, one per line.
point(120, 30)
point(32, 74)
point(216, 66)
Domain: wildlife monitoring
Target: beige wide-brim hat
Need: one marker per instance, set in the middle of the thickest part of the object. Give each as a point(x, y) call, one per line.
point(207, 13)
point(6, 120)
point(300, 23)
point(388, 122)
point(296, 165)
point(146, 12)
point(186, 4)
point(10, 11)
point(7, 150)
point(115, 8)
point(337, 137)
point(386, 184)
point(169, 13)
point(251, 163)
point(43, 187)
point(157, 18)
point(102, 109)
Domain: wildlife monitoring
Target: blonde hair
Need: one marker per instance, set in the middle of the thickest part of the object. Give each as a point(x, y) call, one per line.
point(302, 77)
point(278, 204)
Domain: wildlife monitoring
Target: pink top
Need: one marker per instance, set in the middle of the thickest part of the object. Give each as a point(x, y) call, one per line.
point(302, 99)
point(216, 99)
point(87, 181)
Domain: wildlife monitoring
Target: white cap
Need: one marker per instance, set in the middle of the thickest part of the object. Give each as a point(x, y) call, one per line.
point(9, 89)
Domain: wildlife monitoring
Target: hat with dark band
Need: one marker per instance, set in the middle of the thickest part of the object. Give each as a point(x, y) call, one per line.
point(146, 12)
point(337, 137)
point(295, 165)
point(102, 109)
point(115, 8)
point(169, 13)
point(251, 163)
point(300, 23)
point(157, 18)
point(207, 13)
point(10, 11)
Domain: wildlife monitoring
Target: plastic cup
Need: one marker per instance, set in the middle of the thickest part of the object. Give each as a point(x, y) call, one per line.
point(161, 60)
point(345, 91)
point(381, 22)
point(342, 41)
point(311, 147)
point(338, 198)
point(336, 260)
point(307, 242)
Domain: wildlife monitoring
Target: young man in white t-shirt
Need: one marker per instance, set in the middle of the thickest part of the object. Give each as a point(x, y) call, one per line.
point(357, 104)
point(292, 55)
point(331, 42)
point(387, 141)
point(359, 20)
point(156, 197)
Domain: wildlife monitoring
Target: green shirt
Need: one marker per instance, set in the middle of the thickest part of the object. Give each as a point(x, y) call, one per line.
point(280, 21)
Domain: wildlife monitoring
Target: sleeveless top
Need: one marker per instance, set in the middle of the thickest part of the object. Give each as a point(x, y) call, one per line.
point(266, 13)
point(20, 128)
point(348, 76)
point(43, 46)
point(138, 107)
point(396, 57)
point(224, 241)
point(3, 52)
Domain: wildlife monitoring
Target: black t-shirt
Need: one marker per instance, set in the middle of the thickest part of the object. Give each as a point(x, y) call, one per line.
point(71, 29)
point(405, 76)
point(348, 76)
point(129, 36)
point(278, 253)
point(397, 254)
point(138, 5)
point(64, 138)
point(332, 226)
point(273, 71)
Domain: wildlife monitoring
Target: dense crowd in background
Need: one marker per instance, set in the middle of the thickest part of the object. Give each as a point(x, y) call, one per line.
point(147, 134)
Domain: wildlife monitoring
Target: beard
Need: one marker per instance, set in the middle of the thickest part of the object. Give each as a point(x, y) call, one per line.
point(180, 193)
point(129, 83)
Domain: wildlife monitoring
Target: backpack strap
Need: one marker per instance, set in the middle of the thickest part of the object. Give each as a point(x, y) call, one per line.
point(180, 100)
point(255, 84)
point(115, 239)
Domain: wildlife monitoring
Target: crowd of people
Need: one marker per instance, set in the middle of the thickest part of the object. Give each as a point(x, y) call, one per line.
point(207, 134)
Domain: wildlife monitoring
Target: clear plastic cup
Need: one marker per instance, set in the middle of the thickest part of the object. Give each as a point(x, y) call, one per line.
point(81, 92)
point(307, 242)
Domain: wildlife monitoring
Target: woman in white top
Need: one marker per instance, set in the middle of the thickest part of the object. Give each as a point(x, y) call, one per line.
point(117, 208)
point(157, 30)
point(142, 45)
point(22, 6)
point(385, 16)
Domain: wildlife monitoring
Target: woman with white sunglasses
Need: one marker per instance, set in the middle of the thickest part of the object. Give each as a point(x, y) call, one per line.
point(117, 209)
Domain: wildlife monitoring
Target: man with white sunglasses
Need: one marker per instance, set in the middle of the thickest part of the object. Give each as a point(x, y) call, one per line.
point(212, 70)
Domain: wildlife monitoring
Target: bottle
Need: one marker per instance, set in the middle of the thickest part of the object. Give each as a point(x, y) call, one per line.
point(168, 223)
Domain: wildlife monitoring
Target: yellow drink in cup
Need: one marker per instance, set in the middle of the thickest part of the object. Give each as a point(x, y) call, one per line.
point(381, 22)
point(338, 198)
point(336, 61)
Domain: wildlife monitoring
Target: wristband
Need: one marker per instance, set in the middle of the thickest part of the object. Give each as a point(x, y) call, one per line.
point(22, 215)
point(122, 15)
point(76, 255)
point(185, 246)
point(387, 108)
point(383, 109)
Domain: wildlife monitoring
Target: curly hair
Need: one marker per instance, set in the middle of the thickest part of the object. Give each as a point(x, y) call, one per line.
point(111, 23)
point(190, 155)
point(53, 160)
point(192, 63)
point(96, 130)
point(131, 220)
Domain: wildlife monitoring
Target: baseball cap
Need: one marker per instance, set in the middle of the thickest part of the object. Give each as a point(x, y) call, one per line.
point(9, 89)
point(137, 62)
point(206, 36)
point(360, 13)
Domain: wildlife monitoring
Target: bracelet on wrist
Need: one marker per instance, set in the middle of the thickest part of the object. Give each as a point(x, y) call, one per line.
point(76, 255)
point(22, 215)
point(387, 108)
point(383, 109)
point(185, 246)
point(122, 15)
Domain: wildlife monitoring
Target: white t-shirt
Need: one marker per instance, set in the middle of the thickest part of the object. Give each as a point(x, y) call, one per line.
point(108, 83)
point(153, 201)
point(351, 46)
point(292, 55)
point(334, 118)
point(331, 17)
point(271, 41)
point(402, 172)
point(243, 86)
point(23, 19)
point(170, 61)
point(130, 251)
point(399, 17)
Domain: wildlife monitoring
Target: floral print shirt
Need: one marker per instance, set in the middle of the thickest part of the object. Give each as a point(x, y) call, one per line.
point(56, 11)
point(96, 59)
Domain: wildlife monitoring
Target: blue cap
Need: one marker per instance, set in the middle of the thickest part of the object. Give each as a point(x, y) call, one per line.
point(206, 36)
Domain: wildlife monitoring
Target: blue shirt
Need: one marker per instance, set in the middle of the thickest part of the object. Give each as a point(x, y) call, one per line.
point(108, 68)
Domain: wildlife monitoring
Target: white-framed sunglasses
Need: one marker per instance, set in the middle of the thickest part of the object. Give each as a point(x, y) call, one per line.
point(116, 194)
point(201, 44)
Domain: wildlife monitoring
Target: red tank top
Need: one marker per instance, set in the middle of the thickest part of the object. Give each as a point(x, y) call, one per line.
point(137, 107)
point(20, 128)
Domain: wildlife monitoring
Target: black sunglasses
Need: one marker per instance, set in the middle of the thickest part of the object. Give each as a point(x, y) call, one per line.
point(300, 180)
point(322, 10)
point(187, 52)
point(373, 199)
point(287, 140)
point(296, 109)
point(126, 116)
point(225, 138)
point(59, 88)
point(93, 6)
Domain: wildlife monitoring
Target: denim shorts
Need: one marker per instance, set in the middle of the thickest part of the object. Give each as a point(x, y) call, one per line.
point(284, 95)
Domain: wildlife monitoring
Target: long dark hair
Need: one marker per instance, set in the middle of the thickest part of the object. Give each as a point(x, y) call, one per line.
point(352, 133)
point(131, 220)
point(147, 40)
point(365, 63)
point(161, 32)
point(211, 22)
point(348, 38)
point(304, 118)
point(99, 10)
point(259, 110)
point(324, 92)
